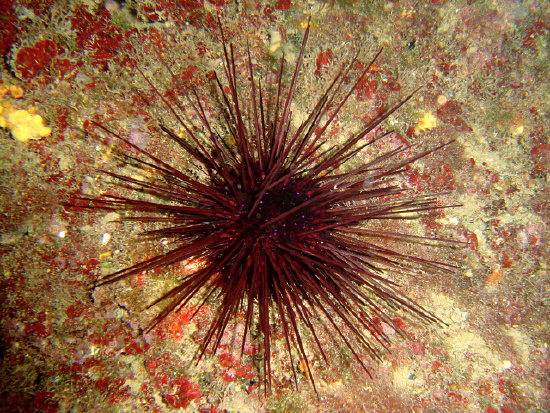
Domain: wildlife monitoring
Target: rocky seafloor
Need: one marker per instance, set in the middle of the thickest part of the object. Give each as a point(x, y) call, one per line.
point(483, 68)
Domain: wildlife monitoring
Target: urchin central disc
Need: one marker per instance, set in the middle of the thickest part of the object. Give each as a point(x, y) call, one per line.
point(278, 212)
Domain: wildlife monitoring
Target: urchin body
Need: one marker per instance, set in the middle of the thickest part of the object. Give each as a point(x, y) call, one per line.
point(282, 230)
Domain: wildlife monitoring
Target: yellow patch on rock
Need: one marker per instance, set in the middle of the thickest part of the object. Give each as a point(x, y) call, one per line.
point(427, 122)
point(25, 126)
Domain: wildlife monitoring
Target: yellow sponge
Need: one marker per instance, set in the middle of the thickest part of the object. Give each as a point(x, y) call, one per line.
point(429, 121)
point(25, 126)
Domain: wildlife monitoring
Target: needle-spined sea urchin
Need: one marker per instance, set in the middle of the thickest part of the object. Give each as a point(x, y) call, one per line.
point(283, 231)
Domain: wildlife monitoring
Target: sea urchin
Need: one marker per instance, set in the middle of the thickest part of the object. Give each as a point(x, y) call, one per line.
point(286, 230)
